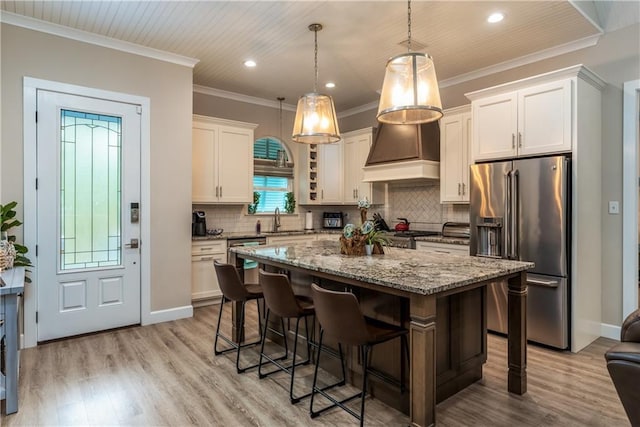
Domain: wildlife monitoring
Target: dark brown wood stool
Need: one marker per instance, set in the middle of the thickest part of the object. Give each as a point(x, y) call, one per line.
point(233, 290)
point(340, 317)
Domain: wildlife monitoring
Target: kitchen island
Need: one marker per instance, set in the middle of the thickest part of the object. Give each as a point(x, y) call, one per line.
point(423, 279)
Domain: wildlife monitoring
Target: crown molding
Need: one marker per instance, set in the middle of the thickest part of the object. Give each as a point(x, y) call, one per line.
point(205, 90)
point(523, 60)
point(95, 39)
point(360, 109)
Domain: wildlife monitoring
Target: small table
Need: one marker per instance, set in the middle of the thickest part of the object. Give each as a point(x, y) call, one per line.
point(11, 286)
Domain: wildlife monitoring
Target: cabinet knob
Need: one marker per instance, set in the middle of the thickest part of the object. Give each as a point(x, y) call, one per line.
point(520, 139)
point(513, 140)
point(464, 191)
point(459, 191)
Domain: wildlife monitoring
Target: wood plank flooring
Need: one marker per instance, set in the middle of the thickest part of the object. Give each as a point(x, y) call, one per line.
point(167, 375)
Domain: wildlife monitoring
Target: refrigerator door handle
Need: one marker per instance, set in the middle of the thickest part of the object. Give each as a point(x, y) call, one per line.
point(507, 216)
point(545, 283)
point(515, 214)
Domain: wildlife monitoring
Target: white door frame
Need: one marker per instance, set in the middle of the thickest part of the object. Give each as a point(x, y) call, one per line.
point(630, 149)
point(30, 87)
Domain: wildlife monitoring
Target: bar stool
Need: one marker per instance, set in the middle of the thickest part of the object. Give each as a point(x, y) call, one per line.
point(340, 317)
point(281, 300)
point(233, 290)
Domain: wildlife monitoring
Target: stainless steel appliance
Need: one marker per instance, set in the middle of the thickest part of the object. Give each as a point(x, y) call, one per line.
point(198, 223)
point(250, 267)
point(407, 239)
point(332, 220)
point(520, 210)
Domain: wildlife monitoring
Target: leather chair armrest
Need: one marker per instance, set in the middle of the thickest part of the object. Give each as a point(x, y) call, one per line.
point(625, 351)
point(630, 331)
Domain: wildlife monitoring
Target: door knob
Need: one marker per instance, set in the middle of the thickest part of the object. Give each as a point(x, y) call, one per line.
point(133, 244)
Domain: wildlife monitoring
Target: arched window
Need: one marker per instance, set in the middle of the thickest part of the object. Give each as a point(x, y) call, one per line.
point(272, 175)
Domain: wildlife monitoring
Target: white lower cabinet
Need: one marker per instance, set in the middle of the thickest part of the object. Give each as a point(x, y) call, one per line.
point(204, 282)
point(443, 248)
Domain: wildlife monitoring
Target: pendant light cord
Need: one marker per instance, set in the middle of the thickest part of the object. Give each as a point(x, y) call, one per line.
point(280, 118)
point(409, 24)
point(315, 59)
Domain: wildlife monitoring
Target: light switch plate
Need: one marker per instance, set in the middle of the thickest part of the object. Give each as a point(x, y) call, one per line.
point(614, 208)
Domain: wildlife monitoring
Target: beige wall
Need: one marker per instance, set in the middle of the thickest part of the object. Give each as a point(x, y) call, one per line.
point(616, 58)
point(169, 87)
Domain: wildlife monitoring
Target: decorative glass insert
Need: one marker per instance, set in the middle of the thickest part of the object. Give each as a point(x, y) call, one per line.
point(90, 190)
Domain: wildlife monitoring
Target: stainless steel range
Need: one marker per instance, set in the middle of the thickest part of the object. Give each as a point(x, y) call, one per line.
point(406, 239)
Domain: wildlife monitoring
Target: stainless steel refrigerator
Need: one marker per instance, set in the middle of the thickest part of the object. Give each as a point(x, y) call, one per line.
point(519, 209)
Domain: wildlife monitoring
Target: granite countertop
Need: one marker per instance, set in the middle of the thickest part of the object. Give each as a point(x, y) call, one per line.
point(441, 239)
point(405, 269)
point(253, 234)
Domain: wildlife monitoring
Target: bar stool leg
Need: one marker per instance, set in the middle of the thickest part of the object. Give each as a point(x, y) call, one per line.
point(240, 343)
point(293, 364)
point(215, 344)
point(365, 367)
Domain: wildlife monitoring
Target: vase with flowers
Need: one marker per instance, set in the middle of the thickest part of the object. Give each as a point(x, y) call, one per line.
point(363, 205)
point(374, 240)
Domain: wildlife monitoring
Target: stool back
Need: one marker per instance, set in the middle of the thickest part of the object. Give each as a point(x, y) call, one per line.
point(279, 295)
point(340, 316)
point(230, 282)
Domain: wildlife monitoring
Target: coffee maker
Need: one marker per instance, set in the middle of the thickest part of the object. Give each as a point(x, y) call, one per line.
point(198, 224)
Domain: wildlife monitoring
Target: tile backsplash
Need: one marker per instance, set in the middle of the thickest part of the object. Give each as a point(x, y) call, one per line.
point(419, 203)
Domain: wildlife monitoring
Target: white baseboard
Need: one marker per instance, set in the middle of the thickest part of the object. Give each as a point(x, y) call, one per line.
point(169, 314)
point(610, 331)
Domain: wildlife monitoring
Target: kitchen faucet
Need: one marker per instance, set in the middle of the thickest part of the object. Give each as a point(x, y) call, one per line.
point(276, 219)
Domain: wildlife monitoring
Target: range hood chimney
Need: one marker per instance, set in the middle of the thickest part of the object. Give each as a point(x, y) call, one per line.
point(404, 152)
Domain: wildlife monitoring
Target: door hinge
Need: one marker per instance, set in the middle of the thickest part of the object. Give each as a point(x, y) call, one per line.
point(36, 317)
point(36, 117)
point(36, 250)
point(36, 183)
point(139, 109)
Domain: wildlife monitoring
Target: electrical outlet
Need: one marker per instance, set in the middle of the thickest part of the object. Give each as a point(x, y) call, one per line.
point(614, 208)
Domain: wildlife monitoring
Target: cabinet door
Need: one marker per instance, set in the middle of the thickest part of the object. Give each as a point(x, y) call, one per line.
point(452, 152)
point(235, 165)
point(330, 171)
point(203, 160)
point(204, 282)
point(356, 151)
point(495, 124)
point(544, 118)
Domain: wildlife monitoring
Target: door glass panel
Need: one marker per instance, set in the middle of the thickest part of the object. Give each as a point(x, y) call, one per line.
point(90, 189)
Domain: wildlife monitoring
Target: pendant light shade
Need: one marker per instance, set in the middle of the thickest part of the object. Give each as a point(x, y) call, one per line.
point(316, 121)
point(410, 93)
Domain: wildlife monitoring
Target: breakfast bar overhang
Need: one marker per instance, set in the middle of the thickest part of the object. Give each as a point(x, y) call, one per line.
point(422, 278)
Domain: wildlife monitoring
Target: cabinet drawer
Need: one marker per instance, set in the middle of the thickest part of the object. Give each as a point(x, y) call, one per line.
point(444, 248)
point(209, 247)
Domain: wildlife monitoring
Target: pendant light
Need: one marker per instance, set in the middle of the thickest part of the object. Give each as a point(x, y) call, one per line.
point(315, 121)
point(281, 160)
point(410, 93)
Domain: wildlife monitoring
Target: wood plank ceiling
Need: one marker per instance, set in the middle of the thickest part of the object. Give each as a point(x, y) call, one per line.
point(357, 40)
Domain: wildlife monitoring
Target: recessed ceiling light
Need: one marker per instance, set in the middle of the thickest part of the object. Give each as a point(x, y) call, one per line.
point(249, 63)
point(495, 17)
point(330, 85)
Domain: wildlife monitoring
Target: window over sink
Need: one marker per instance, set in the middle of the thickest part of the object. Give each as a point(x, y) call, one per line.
point(272, 175)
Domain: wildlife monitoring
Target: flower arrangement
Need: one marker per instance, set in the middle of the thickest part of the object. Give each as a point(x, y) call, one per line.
point(363, 205)
point(354, 239)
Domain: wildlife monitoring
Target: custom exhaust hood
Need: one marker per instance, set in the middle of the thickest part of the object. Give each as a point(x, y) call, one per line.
point(404, 152)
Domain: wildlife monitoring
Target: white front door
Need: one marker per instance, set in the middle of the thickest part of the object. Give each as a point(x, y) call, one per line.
point(88, 169)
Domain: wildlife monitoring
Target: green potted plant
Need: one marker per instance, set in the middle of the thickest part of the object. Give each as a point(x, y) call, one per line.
point(289, 202)
point(373, 238)
point(7, 222)
point(253, 207)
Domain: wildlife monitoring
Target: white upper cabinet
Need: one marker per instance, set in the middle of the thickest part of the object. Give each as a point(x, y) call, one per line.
point(222, 161)
point(356, 150)
point(529, 121)
point(330, 167)
point(455, 135)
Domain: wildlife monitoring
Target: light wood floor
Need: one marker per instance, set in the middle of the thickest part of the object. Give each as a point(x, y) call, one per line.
point(166, 374)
